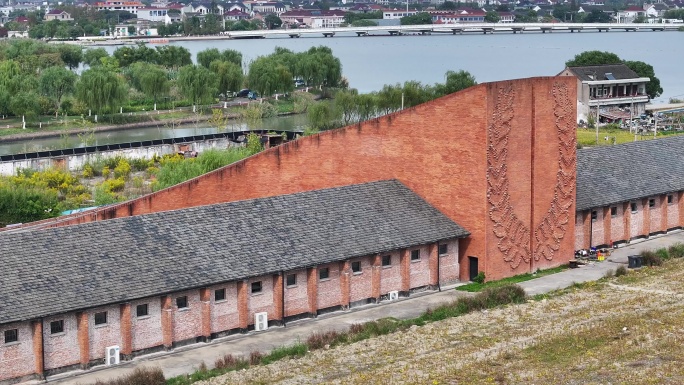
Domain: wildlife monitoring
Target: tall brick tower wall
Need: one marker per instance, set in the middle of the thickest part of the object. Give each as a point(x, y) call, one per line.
point(497, 158)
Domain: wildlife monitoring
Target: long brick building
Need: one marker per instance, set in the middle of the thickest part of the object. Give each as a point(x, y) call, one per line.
point(484, 180)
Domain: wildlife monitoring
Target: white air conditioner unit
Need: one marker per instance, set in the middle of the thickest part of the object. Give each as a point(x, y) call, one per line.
point(260, 321)
point(393, 295)
point(111, 355)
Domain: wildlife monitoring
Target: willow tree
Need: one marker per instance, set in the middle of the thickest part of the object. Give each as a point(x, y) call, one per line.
point(268, 75)
point(229, 75)
point(198, 84)
point(101, 89)
point(55, 82)
point(150, 79)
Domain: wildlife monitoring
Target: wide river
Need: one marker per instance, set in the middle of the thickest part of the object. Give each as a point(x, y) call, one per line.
point(373, 61)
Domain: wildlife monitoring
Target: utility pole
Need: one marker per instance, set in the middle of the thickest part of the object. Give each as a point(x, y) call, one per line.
point(598, 116)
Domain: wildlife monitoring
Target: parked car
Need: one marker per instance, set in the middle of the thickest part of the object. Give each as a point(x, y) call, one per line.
point(243, 93)
point(252, 95)
point(299, 83)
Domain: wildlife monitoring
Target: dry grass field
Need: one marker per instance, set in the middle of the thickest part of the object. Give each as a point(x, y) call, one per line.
point(625, 330)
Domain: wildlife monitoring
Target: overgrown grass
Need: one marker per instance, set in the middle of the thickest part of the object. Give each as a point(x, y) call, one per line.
point(490, 298)
point(587, 136)
point(140, 376)
point(475, 287)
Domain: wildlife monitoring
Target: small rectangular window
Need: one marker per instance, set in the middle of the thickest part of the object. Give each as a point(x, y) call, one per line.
point(651, 202)
point(387, 260)
point(669, 199)
point(415, 255)
point(11, 335)
point(356, 267)
point(142, 310)
point(324, 273)
point(443, 249)
point(613, 211)
point(256, 287)
point(182, 302)
point(633, 207)
point(594, 215)
point(291, 279)
point(57, 327)
point(101, 318)
point(219, 295)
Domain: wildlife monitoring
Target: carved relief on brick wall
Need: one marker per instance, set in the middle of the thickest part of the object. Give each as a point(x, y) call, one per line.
point(552, 228)
point(513, 234)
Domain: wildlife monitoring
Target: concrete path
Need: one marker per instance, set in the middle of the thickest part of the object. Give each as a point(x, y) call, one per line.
point(186, 359)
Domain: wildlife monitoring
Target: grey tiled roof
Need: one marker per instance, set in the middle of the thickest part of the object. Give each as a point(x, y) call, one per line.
point(613, 174)
point(70, 268)
point(619, 71)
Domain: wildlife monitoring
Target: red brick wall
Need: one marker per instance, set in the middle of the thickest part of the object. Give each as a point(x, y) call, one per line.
point(444, 161)
point(146, 331)
point(17, 359)
point(361, 282)
point(673, 212)
point(61, 349)
point(263, 301)
point(187, 322)
point(296, 296)
point(224, 314)
point(390, 276)
point(448, 263)
point(419, 270)
point(328, 290)
point(101, 336)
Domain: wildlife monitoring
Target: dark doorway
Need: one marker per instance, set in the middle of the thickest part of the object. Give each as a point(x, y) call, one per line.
point(472, 266)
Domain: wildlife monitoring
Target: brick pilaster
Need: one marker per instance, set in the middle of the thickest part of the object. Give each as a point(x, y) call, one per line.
point(404, 266)
point(37, 336)
point(433, 264)
point(627, 221)
point(680, 207)
point(646, 225)
point(167, 321)
point(205, 306)
point(345, 284)
point(586, 229)
point(375, 277)
point(312, 290)
point(243, 305)
point(83, 339)
point(607, 224)
point(663, 213)
point(126, 327)
point(278, 297)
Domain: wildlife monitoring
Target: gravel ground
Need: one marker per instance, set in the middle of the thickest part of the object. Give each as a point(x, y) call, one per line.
point(627, 330)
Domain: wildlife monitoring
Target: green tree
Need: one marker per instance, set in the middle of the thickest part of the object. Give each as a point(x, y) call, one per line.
point(71, 55)
point(197, 83)
point(272, 21)
point(92, 56)
point(417, 19)
point(364, 23)
point(653, 87)
point(389, 98)
point(20, 204)
point(101, 89)
point(597, 16)
point(590, 58)
point(204, 58)
point(25, 104)
point(229, 76)
point(171, 56)
point(321, 116)
point(267, 76)
point(233, 56)
point(55, 82)
point(346, 102)
point(141, 53)
point(492, 17)
point(151, 80)
point(447, 6)
point(641, 19)
point(455, 81)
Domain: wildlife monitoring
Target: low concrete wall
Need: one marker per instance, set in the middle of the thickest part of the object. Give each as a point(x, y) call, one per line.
point(76, 162)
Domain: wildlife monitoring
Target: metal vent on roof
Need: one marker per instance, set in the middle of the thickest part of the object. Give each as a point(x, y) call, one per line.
point(609, 76)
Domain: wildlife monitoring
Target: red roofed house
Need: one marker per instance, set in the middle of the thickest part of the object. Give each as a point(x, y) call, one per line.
point(58, 14)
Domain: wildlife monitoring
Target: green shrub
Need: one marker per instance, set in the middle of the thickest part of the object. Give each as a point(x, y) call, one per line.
point(88, 171)
point(140, 164)
point(676, 250)
point(122, 169)
point(229, 362)
point(479, 278)
point(140, 376)
point(649, 258)
point(662, 254)
point(620, 271)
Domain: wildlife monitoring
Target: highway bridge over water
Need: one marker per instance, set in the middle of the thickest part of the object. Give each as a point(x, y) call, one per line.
point(486, 28)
